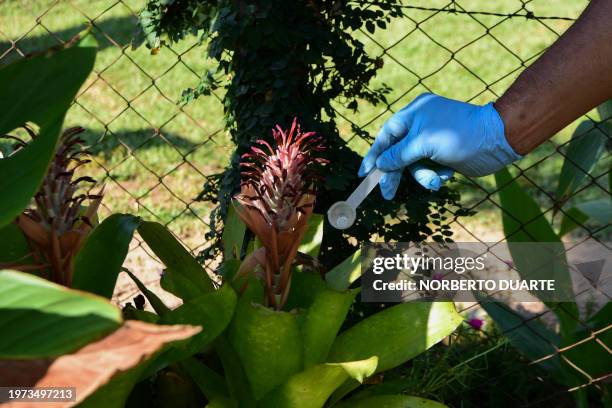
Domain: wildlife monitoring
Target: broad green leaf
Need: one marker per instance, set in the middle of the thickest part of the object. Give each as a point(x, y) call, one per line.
point(38, 89)
point(99, 261)
point(572, 218)
point(13, 245)
point(211, 383)
point(228, 269)
point(605, 111)
point(41, 319)
point(213, 311)
point(179, 285)
point(322, 321)
point(610, 178)
point(390, 386)
point(344, 274)
point(397, 334)
point(522, 218)
point(177, 260)
point(589, 354)
point(156, 303)
point(222, 403)
point(531, 338)
point(269, 344)
point(131, 313)
point(311, 243)
point(599, 210)
point(313, 386)
point(602, 318)
point(390, 401)
point(233, 234)
point(582, 153)
point(305, 286)
point(233, 370)
point(524, 222)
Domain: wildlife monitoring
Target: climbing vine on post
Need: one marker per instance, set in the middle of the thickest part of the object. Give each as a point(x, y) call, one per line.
point(277, 60)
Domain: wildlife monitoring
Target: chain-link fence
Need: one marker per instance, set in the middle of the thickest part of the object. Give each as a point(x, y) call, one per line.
point(154, 155)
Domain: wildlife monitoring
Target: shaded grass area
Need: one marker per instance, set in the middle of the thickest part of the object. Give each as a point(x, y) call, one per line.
point(154, 156)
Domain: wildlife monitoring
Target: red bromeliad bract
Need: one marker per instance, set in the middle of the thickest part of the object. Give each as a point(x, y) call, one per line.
point(275, 202)
point(58, 222)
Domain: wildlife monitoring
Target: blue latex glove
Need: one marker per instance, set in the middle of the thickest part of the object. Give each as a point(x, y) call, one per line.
point(457, 135)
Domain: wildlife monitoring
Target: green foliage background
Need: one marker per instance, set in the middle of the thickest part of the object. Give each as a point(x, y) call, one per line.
point(277, 60)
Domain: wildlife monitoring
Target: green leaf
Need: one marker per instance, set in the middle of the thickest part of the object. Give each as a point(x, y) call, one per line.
point(589, 354)
point(305, 286)
point(213, 311)
point(522, 218)
point(322, 321)
point(211, 383)
point(524, 222)
point(131, 313)
point(344, 274)
point(222, 403)
point(313, 386)
point(178, 284)
point(605, 111)
point(602, 318)
point(599, 210)
point(535, 341)
point(233, 370)
point(99, 261)
point(390, 401)
point(610, 179)
point(396, 334)
point(311, 243)
point(269, 344)
point(582, 153)
point(32, 309)
point(233, 234)
point(14, 247)
point(530, 337)
point(38, 89)
point(156, 303)
point(572, 218)
point(183, 270)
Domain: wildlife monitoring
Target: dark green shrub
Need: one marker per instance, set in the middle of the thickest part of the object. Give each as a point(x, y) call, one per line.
point(288, 59)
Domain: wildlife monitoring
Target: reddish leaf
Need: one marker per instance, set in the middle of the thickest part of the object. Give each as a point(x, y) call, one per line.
point(94, 365)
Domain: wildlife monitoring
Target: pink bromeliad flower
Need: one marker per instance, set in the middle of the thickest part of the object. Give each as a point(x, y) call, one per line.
point(276, 201)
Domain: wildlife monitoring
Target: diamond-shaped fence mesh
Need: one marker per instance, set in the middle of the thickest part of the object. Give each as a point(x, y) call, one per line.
point(154, 155)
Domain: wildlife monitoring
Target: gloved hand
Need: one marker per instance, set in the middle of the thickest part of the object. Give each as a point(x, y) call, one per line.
point(456, 135)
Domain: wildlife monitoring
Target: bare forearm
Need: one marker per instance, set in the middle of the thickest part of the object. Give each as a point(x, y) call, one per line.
point(572, 77)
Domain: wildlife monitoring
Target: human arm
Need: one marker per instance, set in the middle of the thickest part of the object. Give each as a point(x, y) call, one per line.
point(572, 77)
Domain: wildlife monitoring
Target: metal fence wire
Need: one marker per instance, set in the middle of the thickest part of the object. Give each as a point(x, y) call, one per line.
point(154, 155)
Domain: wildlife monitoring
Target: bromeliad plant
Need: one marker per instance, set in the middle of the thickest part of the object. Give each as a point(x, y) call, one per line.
point(276, 201)
point(53, 335)
point(58, 223)
point(275, 330)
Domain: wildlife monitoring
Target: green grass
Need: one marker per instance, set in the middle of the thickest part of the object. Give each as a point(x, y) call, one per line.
point(153, 156)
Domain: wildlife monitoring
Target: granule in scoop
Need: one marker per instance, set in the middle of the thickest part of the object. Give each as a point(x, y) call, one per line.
point(342, 222)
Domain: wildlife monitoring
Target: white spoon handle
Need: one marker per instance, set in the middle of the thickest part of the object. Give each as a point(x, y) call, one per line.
point(365, 188)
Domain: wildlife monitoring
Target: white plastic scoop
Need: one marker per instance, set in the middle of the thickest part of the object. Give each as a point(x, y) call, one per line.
point(342, 214)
